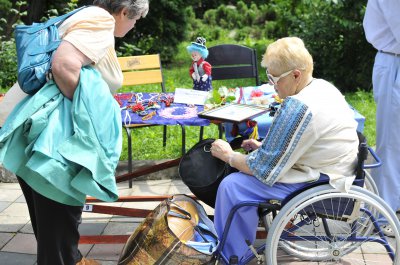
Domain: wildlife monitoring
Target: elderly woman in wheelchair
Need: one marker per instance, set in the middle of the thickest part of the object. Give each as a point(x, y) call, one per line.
point(312, 145)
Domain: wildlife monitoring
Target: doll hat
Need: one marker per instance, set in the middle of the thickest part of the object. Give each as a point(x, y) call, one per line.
point(201, 42)
point(200, 46)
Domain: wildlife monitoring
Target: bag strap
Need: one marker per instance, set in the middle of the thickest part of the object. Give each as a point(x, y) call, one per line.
point(203, 230)
point(53, 21)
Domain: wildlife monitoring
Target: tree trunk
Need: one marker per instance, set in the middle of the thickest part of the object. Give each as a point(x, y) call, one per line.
point(36, 10)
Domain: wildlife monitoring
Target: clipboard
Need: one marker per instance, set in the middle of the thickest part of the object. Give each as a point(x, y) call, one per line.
point(233, 112)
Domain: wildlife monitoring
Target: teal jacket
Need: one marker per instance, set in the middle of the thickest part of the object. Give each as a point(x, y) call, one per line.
point(66, 150)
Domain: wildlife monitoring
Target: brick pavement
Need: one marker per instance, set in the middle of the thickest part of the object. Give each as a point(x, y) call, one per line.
point(17, 242)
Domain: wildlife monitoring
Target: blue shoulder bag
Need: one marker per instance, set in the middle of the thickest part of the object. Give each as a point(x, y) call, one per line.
point(35, 45)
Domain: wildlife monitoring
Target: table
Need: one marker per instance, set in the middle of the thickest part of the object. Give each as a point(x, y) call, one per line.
point(264, 121)
point(162, 112)
point(173, 114)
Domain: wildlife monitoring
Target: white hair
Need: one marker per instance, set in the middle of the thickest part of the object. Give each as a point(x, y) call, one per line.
point(135, 7)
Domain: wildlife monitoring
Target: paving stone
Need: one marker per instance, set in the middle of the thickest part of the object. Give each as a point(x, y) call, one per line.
point(9, 195)
point(5, 238)
point(16, 209)
point(96, 217)
point(10, 186)
point(21, 243)
point(108, 262)
point(21, 199)
point(379, 258)
point(27, 229)
point(92, 228)
point(151, 187)
point(12, 223)
point(85, 248)
point(125, 219)
point(105, 252)
point(179, 189)
point(7, 258)
point(4, 205)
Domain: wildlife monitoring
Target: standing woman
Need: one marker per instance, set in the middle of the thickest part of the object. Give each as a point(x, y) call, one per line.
point(87, 42)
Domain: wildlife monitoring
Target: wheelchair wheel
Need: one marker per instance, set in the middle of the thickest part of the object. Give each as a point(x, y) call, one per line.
point(326, 226)
point(370, 183)
point(304, 252)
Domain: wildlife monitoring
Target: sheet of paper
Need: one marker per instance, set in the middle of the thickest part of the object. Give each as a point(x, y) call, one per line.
point(190, 96)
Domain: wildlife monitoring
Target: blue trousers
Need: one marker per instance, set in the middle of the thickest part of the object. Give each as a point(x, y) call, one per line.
point(234, 189)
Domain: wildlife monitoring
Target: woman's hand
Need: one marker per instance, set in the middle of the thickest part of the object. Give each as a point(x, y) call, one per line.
point(221, 149)
point(250, 145)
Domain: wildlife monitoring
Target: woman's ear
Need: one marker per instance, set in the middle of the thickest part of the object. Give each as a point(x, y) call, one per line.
point(297, 74)
point(124, 12)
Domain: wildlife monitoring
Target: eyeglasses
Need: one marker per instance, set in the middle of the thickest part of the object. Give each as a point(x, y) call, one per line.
point(274, 80)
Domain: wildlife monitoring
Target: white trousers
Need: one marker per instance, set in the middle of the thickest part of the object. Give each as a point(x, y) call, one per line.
point(386, 87)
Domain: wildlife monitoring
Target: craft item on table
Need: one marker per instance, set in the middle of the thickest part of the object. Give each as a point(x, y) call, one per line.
point(200, 70)
point(178, 113)
point(167, 99)
point(220, 97)
point(138, 107)
point(257, 97)
point(137, 103)
point(121, 97)
point(227, 94)
point(149, 116)
point(255, 93)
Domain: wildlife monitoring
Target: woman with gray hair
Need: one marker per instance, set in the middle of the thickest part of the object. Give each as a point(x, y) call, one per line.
point(312, 138)
point(54, 197)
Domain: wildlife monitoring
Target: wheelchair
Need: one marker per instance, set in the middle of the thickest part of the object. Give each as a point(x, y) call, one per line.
point(322, 225)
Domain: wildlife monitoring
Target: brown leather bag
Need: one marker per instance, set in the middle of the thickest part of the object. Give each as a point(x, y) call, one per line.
point(178, 231)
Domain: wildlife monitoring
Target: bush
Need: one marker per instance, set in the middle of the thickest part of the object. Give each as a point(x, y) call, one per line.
point(8, 69)
point(160, 31)
point(331, 29)
point(333, 32)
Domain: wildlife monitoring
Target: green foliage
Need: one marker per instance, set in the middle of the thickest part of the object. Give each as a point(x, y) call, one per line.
point(8, 69)
point(332, 31)
point(364, 103)
point(161, 31)
point(8, 55)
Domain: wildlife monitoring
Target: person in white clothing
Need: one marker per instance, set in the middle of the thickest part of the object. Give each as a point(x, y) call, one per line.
point(312, 138)
point(382, 29)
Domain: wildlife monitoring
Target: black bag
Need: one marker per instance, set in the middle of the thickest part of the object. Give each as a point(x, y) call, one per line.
point(202, 172)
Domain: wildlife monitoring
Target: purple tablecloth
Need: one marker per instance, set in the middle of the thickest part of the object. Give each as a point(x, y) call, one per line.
point(175, 114)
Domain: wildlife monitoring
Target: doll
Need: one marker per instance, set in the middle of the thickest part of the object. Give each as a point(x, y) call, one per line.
point(200, 70)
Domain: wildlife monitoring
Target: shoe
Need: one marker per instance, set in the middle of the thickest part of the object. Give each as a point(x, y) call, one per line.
point(85, 261)
point(387, 230)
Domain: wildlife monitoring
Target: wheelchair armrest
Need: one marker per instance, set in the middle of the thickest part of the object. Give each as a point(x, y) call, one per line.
point(377, 160)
